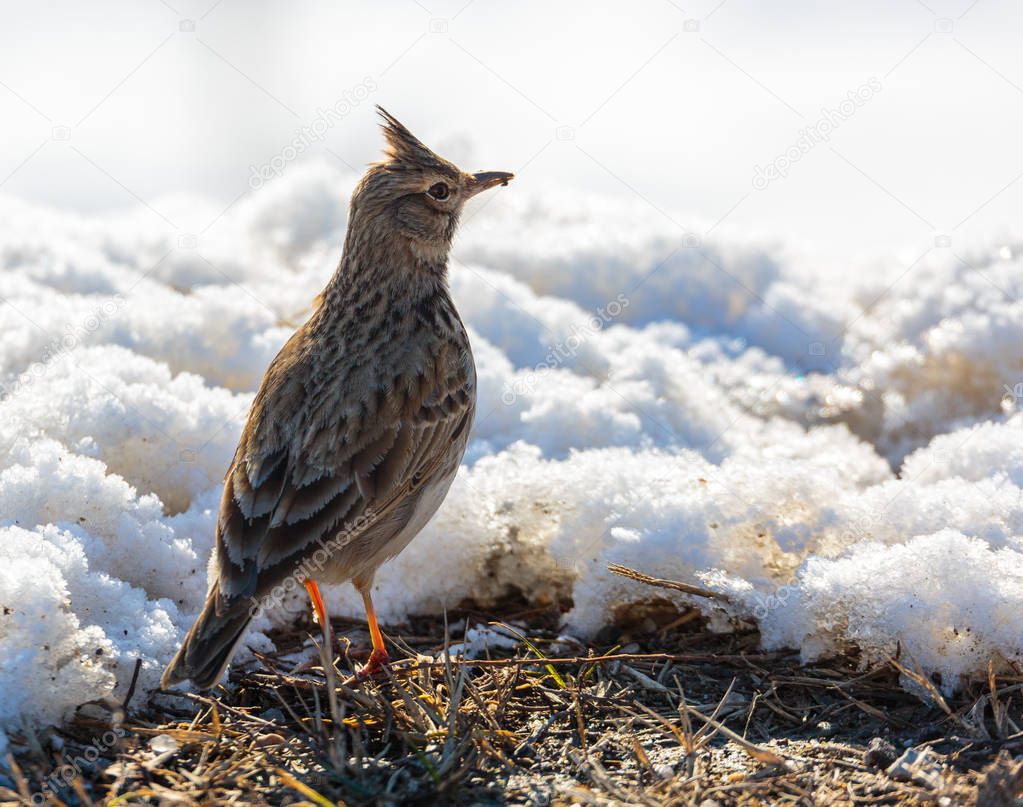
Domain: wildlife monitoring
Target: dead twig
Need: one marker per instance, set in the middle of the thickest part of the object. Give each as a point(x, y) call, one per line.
point(674, 585)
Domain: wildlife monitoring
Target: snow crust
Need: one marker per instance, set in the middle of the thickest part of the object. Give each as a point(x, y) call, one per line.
point(837, 448)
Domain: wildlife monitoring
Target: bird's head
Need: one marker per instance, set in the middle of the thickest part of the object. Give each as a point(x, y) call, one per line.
point(415, 195)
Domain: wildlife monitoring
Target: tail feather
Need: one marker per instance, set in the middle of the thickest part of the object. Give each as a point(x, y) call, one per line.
point(208, 646)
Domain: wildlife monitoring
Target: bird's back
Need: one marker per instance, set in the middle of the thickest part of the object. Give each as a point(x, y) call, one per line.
point(351, 442)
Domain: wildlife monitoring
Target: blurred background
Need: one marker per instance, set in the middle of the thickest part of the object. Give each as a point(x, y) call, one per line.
point(851, 130)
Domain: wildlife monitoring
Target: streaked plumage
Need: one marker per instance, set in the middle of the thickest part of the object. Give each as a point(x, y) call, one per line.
point(361, 420)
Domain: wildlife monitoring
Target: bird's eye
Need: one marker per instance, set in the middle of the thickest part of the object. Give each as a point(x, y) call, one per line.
point(439, 191)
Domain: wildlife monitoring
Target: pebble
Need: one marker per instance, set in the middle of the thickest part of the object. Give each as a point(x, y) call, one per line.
point(162, 743)
point(879, 754)
point(919, 767)
point(273, 715)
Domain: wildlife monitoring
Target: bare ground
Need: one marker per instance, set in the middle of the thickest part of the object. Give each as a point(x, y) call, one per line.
point(659, 711)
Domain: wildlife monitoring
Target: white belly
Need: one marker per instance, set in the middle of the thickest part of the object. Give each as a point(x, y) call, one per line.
point(382, 541)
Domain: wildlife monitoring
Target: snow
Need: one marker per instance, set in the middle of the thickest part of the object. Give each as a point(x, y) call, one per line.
point(836, 448)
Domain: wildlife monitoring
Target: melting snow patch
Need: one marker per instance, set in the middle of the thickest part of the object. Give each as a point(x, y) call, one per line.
point(715, 412)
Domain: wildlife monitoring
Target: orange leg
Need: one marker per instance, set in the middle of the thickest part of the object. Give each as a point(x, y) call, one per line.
point(379, 656)
point(314, 595)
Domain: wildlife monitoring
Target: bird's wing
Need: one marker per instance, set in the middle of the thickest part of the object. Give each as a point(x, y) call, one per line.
point(334, 480)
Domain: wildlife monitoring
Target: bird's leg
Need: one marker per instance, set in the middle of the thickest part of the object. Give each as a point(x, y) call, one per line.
point(379, 656)
point(321, 612)
point(326, 652)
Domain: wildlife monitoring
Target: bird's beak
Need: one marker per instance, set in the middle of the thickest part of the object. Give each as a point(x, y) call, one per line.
point(489, 179)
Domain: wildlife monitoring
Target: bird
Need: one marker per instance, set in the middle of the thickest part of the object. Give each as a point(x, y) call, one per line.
point(360, 422)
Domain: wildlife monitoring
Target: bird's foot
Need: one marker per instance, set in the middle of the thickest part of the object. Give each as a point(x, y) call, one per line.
point(375, 665)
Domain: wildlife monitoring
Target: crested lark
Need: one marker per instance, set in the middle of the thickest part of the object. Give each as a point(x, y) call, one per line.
point(361, 420)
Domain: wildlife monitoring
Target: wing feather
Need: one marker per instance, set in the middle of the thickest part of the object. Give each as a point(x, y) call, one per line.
point(359, 466)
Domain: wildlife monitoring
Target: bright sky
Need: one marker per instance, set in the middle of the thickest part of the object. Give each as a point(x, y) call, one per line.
point(671, 101)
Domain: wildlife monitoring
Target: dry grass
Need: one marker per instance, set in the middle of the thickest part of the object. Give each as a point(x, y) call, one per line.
point(658, 712)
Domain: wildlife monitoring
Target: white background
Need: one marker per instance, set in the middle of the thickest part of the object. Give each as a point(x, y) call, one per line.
point(673, 102)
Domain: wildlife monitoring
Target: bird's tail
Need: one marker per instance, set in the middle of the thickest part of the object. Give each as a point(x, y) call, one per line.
point(209, 645)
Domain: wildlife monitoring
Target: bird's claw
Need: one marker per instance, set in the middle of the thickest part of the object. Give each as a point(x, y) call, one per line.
point(375, 665)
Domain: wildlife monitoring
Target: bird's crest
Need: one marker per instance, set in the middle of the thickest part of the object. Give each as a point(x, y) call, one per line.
point(404, 147)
